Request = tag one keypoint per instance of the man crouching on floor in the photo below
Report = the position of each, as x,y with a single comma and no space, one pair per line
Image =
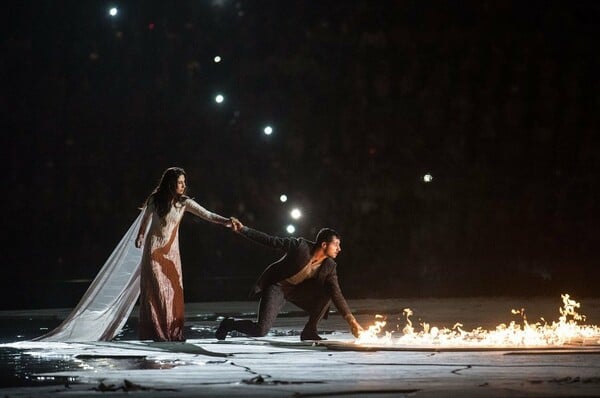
304,276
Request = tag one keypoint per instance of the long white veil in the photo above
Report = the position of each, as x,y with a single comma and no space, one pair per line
107,303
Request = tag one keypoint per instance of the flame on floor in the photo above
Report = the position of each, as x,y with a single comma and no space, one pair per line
565,331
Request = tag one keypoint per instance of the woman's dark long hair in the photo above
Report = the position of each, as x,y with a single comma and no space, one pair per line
164,194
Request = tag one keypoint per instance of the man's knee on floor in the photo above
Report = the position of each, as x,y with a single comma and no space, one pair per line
262,330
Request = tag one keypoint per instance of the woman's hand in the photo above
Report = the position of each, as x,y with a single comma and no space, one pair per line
139,242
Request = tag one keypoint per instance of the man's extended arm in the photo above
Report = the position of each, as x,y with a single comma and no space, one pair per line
340,303
276,242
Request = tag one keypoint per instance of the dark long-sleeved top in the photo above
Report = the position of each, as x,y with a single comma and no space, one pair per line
298,252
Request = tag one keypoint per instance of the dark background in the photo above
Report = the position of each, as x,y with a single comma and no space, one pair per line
498,100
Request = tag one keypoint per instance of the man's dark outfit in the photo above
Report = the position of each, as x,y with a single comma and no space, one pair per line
312,295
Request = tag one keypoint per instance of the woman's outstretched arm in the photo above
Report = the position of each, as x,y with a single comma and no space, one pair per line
193,207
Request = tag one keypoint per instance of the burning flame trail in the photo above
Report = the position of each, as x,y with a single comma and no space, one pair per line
564,332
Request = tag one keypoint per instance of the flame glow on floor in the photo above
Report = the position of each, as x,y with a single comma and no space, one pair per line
566,332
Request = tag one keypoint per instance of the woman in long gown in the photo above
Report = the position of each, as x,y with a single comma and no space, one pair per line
161,294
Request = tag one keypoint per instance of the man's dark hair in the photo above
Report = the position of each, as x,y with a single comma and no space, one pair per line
326,235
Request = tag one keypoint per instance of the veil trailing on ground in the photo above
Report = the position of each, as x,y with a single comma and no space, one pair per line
107,303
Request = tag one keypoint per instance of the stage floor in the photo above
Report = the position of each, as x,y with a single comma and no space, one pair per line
281,365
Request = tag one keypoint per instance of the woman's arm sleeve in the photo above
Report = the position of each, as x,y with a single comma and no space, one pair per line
193,207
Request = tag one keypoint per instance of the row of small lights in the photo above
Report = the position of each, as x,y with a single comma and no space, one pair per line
219,98
295,213
267,130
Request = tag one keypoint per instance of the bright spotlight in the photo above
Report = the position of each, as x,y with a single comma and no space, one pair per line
113,11
283,198
427,177
219,99
290,229
268,130
217,59
296,214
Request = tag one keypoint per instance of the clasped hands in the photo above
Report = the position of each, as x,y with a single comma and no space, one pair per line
235,224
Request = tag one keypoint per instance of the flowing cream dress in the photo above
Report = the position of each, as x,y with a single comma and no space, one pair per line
161,294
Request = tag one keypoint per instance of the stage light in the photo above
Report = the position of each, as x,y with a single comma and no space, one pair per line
219,99
427,177
217,59
113,11
296,214
268,130
290,229
283,198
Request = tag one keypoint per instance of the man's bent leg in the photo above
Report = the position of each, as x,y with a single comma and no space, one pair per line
271,302
314,299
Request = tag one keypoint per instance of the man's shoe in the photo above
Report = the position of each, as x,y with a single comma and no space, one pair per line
310,335
225,327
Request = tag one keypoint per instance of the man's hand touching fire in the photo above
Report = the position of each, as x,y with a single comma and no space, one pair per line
355,327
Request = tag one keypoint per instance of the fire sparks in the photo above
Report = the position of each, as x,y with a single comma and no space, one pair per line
565,331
